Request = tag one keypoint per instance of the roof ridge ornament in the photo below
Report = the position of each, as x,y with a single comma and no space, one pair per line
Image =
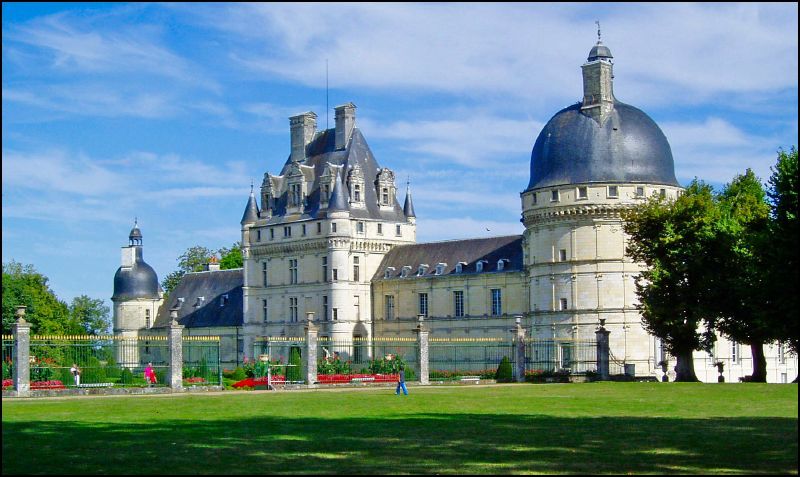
597,22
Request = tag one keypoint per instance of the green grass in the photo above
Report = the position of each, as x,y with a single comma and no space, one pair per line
560,428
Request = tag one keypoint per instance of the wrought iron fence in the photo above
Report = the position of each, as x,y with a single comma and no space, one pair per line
280,358
8,359
201,361
101,360
460,358
560,357
365,359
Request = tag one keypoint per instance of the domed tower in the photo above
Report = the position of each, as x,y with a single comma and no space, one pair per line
137,294
590,162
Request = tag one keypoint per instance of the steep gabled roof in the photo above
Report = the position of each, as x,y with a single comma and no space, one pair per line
222,303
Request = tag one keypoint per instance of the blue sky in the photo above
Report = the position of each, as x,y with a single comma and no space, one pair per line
167,112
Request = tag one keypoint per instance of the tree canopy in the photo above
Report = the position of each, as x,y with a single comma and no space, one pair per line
195,259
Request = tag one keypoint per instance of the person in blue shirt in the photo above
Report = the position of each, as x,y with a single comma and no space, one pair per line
401,383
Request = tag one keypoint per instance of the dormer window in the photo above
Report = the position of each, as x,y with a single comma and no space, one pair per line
479,265
405,271
200,301
440,268
389,272
422,269
385,187
355,182
613,192
501,264
460,267
224,300
639,191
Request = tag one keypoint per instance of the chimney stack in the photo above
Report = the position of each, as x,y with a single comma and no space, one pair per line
302,127
345,121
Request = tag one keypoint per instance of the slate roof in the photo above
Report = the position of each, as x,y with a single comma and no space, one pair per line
137,281
210,311
628,147
452,252
319,152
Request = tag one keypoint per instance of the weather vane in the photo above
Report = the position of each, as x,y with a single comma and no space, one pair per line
598,29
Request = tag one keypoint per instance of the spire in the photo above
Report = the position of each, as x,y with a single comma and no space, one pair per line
135,237
408,207
251,210
598,82
338,201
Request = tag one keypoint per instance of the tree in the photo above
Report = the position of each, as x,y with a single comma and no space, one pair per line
171,281
90,315
671,239
231,257
782,252
743,300
23,285
194,259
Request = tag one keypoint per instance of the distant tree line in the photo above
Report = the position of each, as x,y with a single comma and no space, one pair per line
195,258
45,312
720,261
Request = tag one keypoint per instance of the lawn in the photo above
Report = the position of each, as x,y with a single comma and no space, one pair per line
588,428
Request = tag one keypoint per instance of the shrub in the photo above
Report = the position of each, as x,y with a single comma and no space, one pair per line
93,372
294,373
126,377
504,372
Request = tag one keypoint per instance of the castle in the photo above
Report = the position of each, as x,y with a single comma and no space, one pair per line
331,239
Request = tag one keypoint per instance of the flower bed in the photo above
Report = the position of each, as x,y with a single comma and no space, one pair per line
195,381
253,382
53,384
347,378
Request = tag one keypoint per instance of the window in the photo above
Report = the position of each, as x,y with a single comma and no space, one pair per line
423,304
335,274
422,269
271,234
325,307
583,193
293,309
319,228
479,265
147,319
781,353
562,255
563,304
380,229
258,235
397,230
533,199
554,196
662,193
735,352
264,273
335,314
333,227
265,314
458,303
324,269
566,355
355,269
405,271
497,302
304,230
326,192
287,232
389,303
639,191
388,272
385,196
224,301
293,271
357,193
360,227
460,266
501,264
613,191
440,268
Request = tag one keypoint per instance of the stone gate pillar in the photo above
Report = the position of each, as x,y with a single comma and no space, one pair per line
175,343
422,350
21,354
311,349
519,350
602,351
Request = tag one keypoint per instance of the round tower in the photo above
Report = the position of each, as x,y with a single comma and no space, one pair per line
590,162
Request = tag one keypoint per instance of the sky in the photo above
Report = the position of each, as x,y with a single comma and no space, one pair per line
167,112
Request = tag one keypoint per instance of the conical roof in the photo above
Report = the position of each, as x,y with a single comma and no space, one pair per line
251,209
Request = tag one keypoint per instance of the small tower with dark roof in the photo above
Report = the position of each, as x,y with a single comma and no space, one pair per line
408,207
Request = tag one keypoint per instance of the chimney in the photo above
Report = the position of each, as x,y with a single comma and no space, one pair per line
213,264
302,128
345,121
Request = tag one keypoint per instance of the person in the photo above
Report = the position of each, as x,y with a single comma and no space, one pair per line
401,383
150,375
76,372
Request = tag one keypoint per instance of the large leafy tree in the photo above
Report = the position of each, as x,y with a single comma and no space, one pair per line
782,253
231,257
23,285
743,302
89,315
195,258
670,237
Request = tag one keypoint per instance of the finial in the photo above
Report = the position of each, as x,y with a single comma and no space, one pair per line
251,186
135,221
598,29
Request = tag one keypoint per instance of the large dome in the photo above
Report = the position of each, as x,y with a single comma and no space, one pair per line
628,147
138,281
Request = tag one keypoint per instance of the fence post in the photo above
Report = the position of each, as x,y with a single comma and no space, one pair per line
311,349
175,343
602,350
519,350
21,354
422,350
